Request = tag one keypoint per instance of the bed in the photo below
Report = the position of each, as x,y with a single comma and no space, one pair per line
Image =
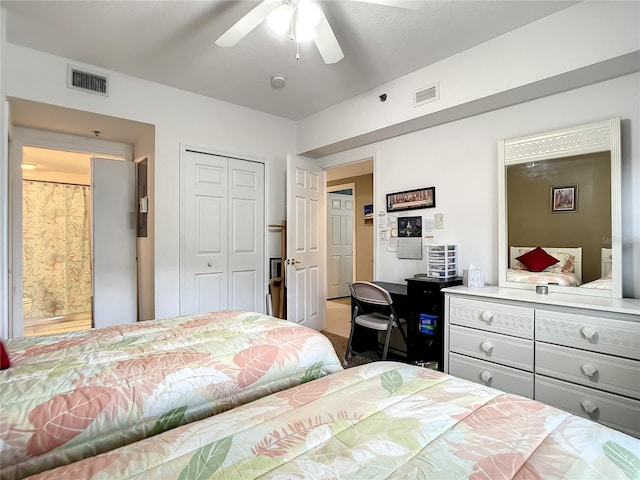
567,271
377,421
73,395
604,282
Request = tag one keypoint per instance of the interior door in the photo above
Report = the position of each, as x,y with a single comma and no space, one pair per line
339,244
246,235
305,276
203,287
114,242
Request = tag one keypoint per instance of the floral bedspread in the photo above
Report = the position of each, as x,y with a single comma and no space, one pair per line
71,396
543,278
377,421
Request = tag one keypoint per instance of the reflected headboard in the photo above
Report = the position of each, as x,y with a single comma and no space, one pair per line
555,252
605,262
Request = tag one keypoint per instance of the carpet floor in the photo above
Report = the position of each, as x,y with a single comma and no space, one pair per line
340,345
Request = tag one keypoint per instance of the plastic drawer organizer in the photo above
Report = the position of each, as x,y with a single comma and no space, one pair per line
442,261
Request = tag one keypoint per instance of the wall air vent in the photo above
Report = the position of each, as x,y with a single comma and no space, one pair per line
426,94
87,81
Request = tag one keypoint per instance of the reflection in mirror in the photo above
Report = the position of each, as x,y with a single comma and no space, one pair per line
559,215
561,203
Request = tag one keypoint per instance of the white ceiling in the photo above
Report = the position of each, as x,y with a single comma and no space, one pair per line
172,43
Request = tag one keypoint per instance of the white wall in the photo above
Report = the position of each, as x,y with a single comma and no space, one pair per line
557,53
460,159
180,118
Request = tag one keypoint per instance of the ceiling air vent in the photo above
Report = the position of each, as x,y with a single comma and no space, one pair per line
87,81
426,94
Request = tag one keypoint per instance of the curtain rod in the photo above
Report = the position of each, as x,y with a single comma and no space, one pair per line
57,183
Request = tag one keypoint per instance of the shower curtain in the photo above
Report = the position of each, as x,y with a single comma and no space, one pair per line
56,248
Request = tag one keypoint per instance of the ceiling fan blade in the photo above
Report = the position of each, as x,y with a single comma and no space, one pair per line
410,4
327,42
247,23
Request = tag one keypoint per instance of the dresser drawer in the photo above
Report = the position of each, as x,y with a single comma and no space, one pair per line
589,332
510,351
492,317
615,375
612,410
492,375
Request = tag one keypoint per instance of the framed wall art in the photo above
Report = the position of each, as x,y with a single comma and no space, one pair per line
411,199
564,199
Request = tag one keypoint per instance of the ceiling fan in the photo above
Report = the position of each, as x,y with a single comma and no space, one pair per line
302,19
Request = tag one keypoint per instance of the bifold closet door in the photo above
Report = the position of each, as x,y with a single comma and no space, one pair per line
222,236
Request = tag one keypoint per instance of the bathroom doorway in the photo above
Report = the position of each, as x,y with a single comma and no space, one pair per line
73,232
57,281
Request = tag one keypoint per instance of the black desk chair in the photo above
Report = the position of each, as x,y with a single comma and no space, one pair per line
372,295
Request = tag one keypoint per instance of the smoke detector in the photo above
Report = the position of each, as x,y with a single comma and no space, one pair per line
278,81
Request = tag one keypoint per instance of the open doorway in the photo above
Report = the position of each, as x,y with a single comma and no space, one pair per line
358,177
72,230
57,284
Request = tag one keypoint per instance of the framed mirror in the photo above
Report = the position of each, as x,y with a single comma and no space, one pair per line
559,212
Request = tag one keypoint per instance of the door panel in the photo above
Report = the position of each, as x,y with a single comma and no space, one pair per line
246,255
114,242
210,291
340,244
204,242
306,281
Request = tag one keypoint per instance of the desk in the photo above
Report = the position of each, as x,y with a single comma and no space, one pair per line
420,294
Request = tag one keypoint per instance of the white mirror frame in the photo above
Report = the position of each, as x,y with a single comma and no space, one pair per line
584,139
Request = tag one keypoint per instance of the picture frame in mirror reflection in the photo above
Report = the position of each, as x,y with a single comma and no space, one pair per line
564,199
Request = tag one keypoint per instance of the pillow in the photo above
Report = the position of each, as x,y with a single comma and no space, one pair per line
567,264
4,356
537,260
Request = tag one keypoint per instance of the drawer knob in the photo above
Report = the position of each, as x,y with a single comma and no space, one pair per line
589,407
589,332
486,377
487,316
486,347
589,370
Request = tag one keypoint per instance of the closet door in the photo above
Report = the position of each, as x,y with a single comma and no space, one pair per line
114,242
246,235
203,236
222,234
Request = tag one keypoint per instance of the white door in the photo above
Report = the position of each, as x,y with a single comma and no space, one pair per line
305,277
204,241
246,235
222,234
339,244
114,242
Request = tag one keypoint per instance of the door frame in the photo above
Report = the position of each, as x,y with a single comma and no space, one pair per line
354,250
30,137
250,158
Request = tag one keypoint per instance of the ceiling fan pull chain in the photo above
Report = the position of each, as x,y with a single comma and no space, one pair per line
294,29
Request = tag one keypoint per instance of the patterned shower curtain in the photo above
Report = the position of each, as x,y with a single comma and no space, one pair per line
56,248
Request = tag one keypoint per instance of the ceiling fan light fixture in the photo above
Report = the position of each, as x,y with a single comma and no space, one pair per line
280,19
308,18
297,18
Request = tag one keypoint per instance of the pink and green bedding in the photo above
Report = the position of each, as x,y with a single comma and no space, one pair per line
543,278
71,396
378,421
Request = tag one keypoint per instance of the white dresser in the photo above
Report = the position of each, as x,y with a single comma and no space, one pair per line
578,353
